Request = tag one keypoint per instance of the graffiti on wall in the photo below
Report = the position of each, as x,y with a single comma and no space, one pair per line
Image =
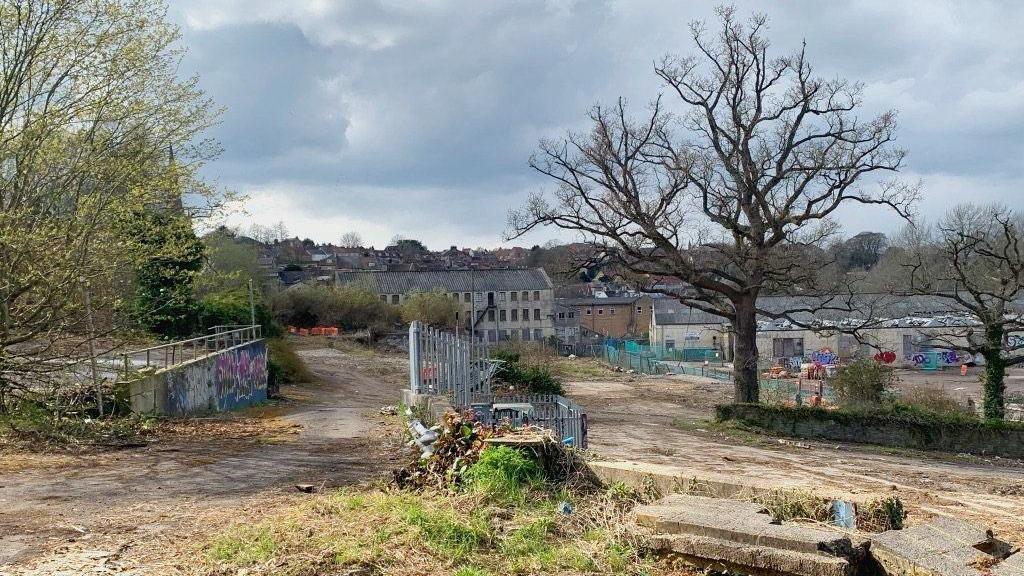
824,357
887,357
1014,341
943,357
241,375
231,379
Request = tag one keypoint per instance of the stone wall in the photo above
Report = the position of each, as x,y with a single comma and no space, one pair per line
885,428
229,379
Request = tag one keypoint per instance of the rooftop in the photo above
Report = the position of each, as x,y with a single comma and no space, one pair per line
401,282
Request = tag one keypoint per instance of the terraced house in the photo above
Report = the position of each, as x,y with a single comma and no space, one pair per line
495,305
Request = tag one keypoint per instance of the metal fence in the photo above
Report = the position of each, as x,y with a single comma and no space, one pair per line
445,364
174,353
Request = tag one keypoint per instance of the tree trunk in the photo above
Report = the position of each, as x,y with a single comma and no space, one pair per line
744,360
995,372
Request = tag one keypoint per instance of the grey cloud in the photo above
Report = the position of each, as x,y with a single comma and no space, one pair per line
429,112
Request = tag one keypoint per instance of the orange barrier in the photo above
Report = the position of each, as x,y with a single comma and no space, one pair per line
315,331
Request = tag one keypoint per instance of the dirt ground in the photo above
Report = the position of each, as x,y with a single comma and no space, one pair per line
140,510
664,420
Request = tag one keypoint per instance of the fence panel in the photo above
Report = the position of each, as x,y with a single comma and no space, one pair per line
461,369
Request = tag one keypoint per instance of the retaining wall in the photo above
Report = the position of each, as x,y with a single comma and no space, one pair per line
887,429
229,379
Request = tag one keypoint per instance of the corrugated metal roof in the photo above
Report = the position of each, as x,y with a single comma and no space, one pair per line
608,301
671,311
401,282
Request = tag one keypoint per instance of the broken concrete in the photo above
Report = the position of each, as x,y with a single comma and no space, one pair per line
743,537
944,547
723,556
666,480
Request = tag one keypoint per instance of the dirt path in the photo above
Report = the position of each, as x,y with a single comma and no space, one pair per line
111,512
662,421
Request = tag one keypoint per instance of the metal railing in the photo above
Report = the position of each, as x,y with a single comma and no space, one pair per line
563,417
444,364
181,351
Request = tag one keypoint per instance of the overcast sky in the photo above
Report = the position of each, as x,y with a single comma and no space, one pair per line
418,119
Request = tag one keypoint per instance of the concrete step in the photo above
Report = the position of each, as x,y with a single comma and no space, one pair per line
739,522
725,556
945,547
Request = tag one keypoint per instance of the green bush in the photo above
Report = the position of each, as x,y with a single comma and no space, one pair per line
433,308
504,474
862,383
232,307
284,366
533,378
348,307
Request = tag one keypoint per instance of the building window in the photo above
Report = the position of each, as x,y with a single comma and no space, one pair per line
394,298
384,298
526,295
538,335
536,313
526,314
670,344
561,315
490,315
513,296
589,311
787,347
479,296
503,335
600,311
515,314
456,315
536,294
501,315
467,297
492,335
639,309
611,311
526,333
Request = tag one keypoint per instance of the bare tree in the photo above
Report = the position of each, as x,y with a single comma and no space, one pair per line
351,240
732,195
974,259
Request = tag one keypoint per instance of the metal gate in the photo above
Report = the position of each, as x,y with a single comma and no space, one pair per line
444,364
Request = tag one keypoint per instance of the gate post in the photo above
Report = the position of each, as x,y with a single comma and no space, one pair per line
414,356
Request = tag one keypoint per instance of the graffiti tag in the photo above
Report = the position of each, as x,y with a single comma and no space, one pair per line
887,357
824,357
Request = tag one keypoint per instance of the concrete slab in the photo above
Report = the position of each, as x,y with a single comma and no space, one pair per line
943,547
725,556
739,522
1012,566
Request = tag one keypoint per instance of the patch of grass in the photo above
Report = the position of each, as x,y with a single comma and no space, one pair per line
504,474
401,532
787,505
447,534
243,547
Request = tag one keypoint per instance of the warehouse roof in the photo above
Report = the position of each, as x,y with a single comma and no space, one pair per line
393,282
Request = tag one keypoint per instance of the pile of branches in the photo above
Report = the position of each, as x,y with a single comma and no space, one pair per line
459,443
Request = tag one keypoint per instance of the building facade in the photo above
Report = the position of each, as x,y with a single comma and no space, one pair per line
494,305
609,317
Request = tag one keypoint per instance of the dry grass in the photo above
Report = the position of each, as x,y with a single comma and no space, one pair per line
388,531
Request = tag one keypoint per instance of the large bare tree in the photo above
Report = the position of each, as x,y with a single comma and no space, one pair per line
974,260
732,194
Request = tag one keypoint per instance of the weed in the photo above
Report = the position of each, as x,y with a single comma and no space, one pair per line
882,514
504,474
285,366
786,505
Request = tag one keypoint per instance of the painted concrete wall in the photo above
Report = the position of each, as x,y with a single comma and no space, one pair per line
233,378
